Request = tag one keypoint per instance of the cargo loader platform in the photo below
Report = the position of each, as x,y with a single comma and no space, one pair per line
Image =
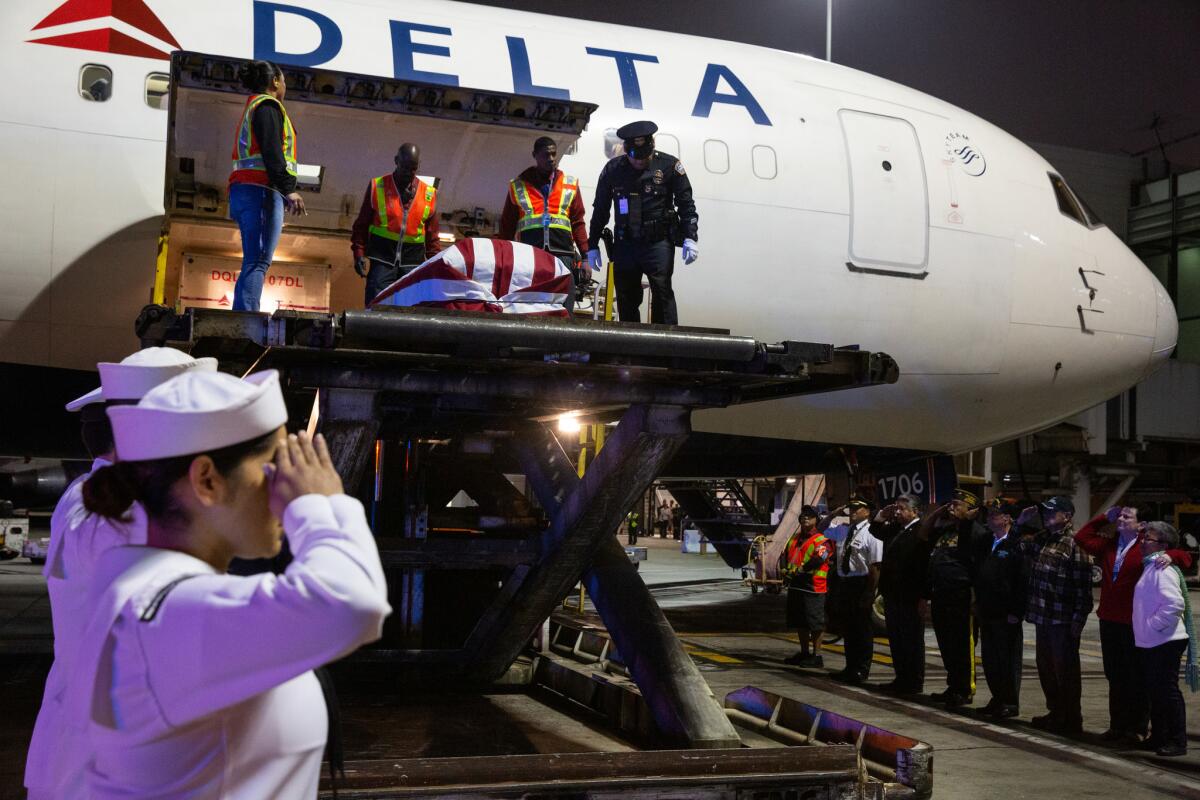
422,406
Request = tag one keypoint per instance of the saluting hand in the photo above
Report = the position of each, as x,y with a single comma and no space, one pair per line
302,466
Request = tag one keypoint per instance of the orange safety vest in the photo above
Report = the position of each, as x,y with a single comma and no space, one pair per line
799,553
541,212
248,165
389,221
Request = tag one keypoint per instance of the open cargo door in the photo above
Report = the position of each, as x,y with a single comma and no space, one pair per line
473,142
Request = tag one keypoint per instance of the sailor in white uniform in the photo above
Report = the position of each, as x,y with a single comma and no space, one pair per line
194,683
54,766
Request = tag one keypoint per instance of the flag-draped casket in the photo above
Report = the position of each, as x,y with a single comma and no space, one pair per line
491,275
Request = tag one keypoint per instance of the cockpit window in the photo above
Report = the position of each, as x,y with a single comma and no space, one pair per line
1072,205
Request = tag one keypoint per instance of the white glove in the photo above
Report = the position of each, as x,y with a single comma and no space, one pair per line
593,259
691,251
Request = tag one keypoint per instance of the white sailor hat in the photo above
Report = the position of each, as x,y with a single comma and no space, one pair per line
140,372
198,412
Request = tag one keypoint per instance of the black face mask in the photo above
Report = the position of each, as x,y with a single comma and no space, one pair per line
643,151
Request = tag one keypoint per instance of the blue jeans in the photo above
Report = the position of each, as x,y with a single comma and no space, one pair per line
258,211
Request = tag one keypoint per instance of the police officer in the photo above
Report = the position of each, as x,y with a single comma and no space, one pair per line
654,212
397,225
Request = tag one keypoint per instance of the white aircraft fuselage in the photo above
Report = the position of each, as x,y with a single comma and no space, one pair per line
834,206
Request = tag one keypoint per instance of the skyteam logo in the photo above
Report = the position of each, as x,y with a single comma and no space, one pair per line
124,27
968,156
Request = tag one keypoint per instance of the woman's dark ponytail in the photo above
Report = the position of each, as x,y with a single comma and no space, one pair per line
257,76
110,491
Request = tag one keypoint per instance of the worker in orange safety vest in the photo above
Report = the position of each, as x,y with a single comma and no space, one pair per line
397,225
805,568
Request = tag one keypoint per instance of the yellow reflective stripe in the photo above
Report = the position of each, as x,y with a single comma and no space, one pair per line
535,222
384,232
381,203
256,162
428,205
521,193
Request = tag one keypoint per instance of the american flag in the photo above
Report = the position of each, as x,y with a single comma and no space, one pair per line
492,275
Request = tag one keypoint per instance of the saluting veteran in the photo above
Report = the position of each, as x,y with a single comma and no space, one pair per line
54,765
192,682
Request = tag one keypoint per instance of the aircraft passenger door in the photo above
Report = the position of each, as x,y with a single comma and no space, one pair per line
889,199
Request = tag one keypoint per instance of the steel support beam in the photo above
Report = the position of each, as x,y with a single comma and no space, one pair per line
349,420
679,699
644,439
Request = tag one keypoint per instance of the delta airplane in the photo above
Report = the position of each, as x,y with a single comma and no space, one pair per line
834,206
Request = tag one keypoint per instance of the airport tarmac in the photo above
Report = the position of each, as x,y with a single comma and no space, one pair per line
737,639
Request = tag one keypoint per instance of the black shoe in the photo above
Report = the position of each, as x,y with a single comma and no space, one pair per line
795,660
850,677
956,700
1171,751
990,709
1006,712
1112,735
942,695
1046,722
812,662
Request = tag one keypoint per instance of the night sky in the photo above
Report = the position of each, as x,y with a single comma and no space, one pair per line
1082,73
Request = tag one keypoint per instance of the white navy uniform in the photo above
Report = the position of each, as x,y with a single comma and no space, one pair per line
206,690
54,766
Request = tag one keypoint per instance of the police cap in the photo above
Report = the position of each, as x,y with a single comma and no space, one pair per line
636,130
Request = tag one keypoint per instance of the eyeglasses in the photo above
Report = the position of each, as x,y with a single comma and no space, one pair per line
1153,539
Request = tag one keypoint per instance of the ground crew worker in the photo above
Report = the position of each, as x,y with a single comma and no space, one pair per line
397,225
902,584
178,700
954,533
654,213
544,207
632,521
805,568
858,555
1000,593
263,180
56,762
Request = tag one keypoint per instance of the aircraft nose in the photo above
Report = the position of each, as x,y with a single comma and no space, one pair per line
1166,328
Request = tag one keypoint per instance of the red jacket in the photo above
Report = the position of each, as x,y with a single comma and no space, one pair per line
1116,599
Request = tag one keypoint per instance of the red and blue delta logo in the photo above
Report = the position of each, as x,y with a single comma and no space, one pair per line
123,27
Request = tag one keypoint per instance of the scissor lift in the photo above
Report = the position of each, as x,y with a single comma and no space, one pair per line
420,404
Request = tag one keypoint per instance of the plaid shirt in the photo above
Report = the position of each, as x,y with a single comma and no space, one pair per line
1060,581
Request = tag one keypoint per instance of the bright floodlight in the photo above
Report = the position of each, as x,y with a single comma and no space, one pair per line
568,423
